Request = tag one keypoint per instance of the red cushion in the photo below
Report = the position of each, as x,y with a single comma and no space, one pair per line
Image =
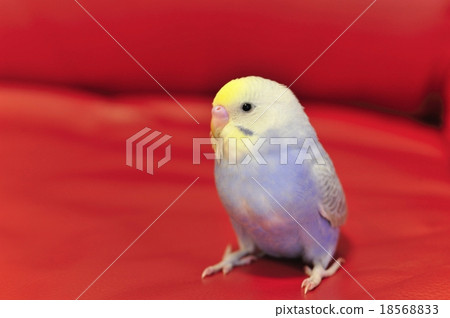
393,56
70,205
446,124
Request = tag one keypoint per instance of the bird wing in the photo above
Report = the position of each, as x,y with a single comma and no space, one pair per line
332,206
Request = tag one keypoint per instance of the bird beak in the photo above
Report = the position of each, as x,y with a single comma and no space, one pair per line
219,119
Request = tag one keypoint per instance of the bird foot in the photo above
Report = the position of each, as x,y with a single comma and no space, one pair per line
317,273
230,260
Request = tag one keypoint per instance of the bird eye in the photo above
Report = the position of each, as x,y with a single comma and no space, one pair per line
246,107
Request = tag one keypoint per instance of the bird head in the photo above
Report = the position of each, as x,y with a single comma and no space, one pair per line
253,107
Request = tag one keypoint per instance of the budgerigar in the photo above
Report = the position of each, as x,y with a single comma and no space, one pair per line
274,178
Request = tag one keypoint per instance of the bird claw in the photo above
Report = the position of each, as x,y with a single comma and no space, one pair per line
208,271
310,283
225,266
317,273
229,261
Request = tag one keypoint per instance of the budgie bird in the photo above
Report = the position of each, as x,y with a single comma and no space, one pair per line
278,205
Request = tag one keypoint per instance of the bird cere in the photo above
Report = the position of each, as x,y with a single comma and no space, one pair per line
278,205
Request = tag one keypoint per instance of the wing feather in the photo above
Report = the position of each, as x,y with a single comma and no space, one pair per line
332,206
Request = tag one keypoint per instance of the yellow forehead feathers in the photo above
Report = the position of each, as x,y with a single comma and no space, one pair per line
229,93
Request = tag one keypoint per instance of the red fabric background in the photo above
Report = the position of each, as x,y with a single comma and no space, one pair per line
70,206
447,111
395,56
